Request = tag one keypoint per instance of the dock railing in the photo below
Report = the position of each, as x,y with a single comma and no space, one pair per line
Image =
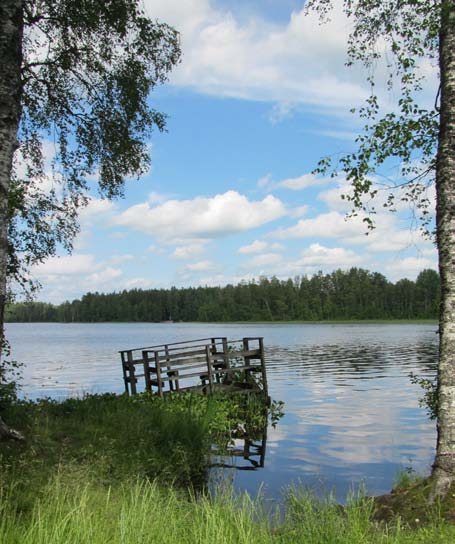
205,365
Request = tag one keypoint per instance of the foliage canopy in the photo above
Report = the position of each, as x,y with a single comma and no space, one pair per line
87,70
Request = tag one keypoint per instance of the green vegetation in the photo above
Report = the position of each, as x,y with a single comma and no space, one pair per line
128,437
114,469
76,511
341,295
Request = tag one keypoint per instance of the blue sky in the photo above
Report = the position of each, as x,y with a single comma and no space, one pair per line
261,95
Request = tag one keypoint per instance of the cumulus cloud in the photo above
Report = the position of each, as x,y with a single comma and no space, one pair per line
255,247
188,251
409,267
96,210
302,182
321,257
264,260
299,62
200,266
202,217
390,235
326,225
66,265
259,245
298,183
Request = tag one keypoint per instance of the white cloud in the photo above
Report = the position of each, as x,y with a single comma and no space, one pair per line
259,245
302,182
280,111
318,256
188,251
201,266
299,62
255,247
298,183
66,265
265,260
138,283
409,267
325,225
104,276
202,217
96,210
118,259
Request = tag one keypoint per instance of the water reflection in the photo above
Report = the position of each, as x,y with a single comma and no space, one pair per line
351,412
244,453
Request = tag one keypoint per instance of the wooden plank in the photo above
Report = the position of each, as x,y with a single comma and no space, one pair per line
253,353
132,379
209,368
225,352
264,373
181,354
251,368
158,374
125,373
148,385
180,368
161,346
190,361
184,376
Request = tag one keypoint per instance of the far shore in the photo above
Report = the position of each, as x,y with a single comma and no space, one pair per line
276,322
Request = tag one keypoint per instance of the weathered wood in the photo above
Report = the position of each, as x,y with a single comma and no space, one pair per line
209,368
252,353
6,433
125,372
158,374
173,356
148,385
245,368
187,362
132,379
264,372
178,363
226,352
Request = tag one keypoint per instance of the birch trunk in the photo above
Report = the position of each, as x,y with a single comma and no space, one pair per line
11,27
444,465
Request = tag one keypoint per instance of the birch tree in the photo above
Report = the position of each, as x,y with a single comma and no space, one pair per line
75,76
403,34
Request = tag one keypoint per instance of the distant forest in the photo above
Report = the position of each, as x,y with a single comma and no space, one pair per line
340,295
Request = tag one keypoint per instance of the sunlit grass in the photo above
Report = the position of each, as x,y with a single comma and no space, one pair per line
80,511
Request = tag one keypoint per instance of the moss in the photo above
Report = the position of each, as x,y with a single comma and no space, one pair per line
410,504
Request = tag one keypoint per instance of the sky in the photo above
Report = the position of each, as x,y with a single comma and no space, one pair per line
262,93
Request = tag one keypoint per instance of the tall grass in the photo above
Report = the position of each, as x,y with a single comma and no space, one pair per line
80,511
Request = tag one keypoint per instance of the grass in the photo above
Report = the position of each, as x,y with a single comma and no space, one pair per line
118,470
75,509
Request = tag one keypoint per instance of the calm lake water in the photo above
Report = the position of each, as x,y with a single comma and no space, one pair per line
351,412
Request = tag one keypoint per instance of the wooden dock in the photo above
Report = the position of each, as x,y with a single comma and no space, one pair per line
204,365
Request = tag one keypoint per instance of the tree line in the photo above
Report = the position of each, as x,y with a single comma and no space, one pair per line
340,295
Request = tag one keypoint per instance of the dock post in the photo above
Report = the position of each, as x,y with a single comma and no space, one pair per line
246,347
264,373
158,373
208,356
132,377
145,359
227,362
125,375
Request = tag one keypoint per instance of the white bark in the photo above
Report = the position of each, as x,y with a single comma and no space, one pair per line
10,99
444,465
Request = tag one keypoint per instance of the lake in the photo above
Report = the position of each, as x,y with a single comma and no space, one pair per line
351,411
